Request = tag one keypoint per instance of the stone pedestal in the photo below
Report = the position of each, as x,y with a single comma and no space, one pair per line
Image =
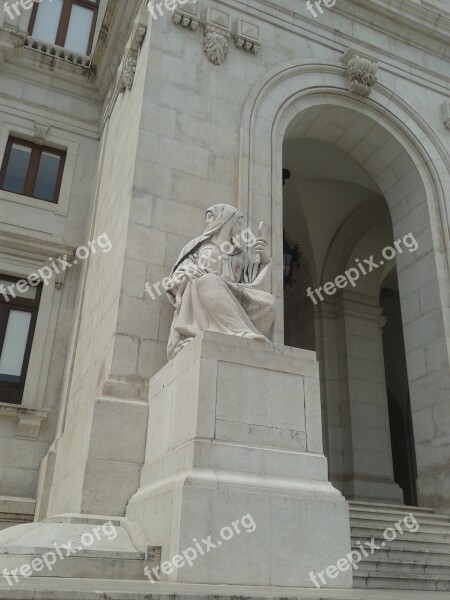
234,430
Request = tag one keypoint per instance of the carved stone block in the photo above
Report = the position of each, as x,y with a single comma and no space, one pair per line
40,132
247,36
361,72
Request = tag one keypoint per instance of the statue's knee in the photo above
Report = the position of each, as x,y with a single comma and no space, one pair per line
209,287
267,309
209,280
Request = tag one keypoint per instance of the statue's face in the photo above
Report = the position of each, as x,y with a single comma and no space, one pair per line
209,217
225,216
237,229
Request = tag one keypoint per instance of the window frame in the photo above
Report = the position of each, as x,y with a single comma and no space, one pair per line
64,20
14,391
33,167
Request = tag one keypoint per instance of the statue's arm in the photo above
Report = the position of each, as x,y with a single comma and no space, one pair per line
259,275
259,269
188,270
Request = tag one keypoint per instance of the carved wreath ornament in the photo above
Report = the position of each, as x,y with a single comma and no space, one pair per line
129,71
361,75
215,46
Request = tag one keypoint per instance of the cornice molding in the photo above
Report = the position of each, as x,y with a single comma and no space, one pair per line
401,17
289,17
426,16
33,249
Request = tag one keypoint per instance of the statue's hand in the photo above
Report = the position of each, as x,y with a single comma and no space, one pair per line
261,247
194,271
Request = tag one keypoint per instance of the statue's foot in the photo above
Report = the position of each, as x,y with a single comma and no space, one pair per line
180,346
254,336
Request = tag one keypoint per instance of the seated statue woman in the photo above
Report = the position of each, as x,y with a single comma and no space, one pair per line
216,285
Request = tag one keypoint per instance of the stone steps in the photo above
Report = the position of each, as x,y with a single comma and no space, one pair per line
412,555
393,513
386,507
413,561
426,525
409,565
426,539
401,581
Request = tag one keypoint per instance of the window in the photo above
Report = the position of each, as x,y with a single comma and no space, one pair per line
32,170
66,23
18,314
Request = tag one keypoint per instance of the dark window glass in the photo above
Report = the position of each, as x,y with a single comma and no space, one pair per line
47,176
32,170
17,169
18,314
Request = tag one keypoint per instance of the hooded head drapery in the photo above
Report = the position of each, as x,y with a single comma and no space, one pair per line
222,214
215,285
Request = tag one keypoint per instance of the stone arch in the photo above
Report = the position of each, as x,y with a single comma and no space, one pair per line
414,192
363,218
284,94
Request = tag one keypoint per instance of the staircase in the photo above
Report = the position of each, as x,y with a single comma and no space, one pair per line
413,560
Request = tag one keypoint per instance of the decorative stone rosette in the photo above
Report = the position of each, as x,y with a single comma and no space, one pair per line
215,44
218,31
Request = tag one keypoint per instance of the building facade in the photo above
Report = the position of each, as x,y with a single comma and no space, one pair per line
120,124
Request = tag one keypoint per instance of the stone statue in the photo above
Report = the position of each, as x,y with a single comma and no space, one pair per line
216,285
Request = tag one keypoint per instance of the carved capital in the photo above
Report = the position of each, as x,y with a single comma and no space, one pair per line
361,72
138,36
128,71
104,32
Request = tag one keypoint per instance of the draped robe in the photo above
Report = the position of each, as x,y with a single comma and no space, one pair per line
230,298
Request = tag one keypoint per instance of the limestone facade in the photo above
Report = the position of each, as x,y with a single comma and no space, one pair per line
173,114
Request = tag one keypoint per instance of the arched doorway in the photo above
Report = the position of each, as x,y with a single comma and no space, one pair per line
409,167
398,396
335,210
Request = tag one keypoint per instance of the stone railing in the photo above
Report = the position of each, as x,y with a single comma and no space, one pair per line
57,52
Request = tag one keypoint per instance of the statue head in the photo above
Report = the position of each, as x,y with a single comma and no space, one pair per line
221,216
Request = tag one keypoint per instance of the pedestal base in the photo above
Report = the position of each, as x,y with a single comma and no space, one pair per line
234,458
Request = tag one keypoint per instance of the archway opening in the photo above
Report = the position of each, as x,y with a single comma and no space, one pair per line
337,211
398,395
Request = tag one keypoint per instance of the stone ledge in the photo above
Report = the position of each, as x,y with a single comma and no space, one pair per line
15,511
30,419
76,589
